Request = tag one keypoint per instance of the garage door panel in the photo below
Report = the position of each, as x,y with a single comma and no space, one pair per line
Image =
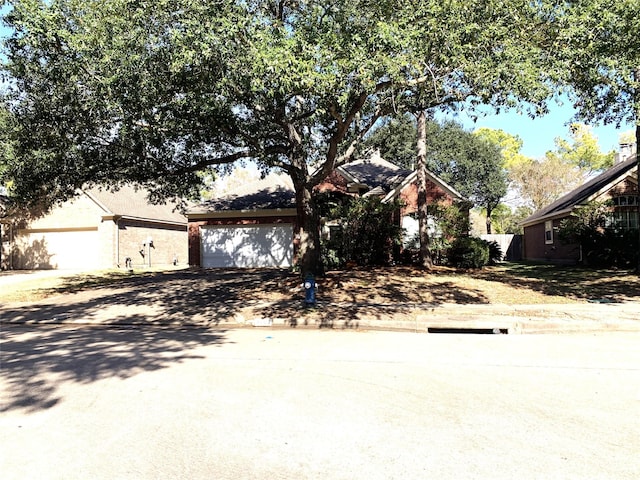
60,250
247,246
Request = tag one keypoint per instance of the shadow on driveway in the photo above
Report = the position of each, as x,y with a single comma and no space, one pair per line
35,362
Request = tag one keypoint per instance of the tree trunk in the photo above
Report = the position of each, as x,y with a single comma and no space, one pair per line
488,222
308,257
421,167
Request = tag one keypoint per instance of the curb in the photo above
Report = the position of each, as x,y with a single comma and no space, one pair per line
424,318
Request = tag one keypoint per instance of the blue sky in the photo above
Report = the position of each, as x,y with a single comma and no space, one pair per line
538,134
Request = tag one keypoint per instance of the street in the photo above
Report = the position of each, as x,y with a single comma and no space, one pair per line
192,403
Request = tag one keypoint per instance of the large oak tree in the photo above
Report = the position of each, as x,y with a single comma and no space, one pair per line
154,92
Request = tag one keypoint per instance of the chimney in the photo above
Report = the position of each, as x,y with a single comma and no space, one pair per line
626,151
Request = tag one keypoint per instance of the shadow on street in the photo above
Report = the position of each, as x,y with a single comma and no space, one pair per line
34,362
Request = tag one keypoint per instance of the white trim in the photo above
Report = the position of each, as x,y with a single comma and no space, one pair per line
276,212
552,216
148,220
548,227
431,176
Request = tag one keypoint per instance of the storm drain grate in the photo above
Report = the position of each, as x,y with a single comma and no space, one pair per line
475,331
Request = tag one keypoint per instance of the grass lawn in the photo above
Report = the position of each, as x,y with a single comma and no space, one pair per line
510,284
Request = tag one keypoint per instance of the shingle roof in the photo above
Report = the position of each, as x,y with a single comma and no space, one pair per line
131,202
374,171
275,191
583,193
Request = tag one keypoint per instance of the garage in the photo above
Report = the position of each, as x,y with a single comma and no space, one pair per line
76,250
246,246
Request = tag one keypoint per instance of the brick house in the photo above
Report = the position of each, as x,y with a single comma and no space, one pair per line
619,185
255,225
96,230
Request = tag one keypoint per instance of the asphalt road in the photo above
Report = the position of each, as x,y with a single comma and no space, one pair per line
145,403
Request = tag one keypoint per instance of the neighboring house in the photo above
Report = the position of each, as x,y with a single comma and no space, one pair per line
98,229
255,225
618,184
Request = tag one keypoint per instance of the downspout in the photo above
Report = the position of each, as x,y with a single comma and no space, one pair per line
118,241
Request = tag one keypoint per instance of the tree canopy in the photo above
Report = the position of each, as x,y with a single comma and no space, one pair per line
154,92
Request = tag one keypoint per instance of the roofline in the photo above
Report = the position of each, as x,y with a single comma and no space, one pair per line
273,212
349,177
624,175
435,179
97,202
550,216
117,218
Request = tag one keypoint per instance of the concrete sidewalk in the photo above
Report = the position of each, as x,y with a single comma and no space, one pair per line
110,309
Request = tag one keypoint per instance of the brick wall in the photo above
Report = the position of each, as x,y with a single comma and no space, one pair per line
536,249
169,242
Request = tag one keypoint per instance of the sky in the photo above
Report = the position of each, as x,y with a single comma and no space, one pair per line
538,134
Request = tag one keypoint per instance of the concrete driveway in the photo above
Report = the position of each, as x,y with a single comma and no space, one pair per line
153,403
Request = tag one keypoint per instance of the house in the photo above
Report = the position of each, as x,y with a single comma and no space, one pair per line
255,225
97,229
619,184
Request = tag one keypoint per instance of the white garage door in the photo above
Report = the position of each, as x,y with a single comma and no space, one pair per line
247,246
61,250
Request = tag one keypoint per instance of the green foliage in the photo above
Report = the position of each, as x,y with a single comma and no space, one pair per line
598,43
446,222
396,140
495,252
602,245
582,150
506,221
469,252
452,220
510,145
153,92
468,162
540,182
367,235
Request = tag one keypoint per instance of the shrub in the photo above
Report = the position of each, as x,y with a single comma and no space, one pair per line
367,237
603,245
495,252
469,252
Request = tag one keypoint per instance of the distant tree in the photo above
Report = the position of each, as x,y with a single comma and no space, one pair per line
540,182
583,151
506,220
510,145
627,137
469,163
396,140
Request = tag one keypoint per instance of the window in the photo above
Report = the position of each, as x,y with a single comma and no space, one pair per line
625,200
548,232
625,220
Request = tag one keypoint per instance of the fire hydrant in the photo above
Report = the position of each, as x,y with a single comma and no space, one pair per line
309,290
